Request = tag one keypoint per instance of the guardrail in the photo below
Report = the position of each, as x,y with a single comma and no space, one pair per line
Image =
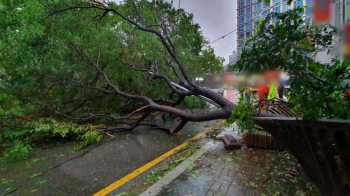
322,148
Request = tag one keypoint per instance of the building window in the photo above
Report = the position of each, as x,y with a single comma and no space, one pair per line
241,4
275,2
257,15
248,34
285,7
241,20
266,13
241,28
250,44
266,5
249,10
277,9
241,12
256,24
248,18
274,20
258,7
249,26
308,2
240,43
241,36
248,2
299,3
308,11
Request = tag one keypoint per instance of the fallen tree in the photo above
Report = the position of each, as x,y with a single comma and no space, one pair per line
92,63
161,30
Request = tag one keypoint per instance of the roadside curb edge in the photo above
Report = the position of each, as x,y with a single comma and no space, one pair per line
168,178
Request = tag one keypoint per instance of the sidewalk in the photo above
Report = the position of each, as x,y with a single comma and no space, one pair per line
216,171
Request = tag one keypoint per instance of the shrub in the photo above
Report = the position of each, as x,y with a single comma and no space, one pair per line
194,103
18,152
243,115
37,132
88,138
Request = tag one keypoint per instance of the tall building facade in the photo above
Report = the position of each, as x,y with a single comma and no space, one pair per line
249,13
233,57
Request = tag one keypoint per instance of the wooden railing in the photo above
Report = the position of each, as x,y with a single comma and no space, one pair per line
322,148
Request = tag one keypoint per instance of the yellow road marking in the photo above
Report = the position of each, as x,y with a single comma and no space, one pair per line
145,167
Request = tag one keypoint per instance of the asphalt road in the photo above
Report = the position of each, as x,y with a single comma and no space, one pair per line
58,170
96,169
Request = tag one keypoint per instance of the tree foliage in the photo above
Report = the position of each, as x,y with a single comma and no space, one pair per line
47,64
243,115
288,45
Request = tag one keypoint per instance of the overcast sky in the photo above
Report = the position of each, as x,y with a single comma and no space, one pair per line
217,18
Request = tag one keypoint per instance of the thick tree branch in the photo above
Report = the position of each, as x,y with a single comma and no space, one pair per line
197,90
136,124
179,127
224,113
165,78
82,100
170,64
317,78
192,89
97,116
171,102
123,129
109,8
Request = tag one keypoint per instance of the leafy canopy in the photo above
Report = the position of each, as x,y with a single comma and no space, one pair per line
289,45
46,61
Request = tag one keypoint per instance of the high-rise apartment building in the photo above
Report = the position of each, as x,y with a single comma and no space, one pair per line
233,57
249,13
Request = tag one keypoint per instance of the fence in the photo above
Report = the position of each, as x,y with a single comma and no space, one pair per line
322,148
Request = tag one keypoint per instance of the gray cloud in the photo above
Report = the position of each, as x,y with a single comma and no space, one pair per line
217,18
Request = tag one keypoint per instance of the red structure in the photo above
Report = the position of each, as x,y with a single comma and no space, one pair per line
322,11
347,40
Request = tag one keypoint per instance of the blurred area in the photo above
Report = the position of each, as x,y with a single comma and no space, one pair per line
336,13
266,85
346,30
239,80
318,13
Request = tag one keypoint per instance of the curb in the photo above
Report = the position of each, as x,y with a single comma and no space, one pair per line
168,178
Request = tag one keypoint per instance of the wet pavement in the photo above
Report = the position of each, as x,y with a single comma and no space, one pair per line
249,171
60,171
